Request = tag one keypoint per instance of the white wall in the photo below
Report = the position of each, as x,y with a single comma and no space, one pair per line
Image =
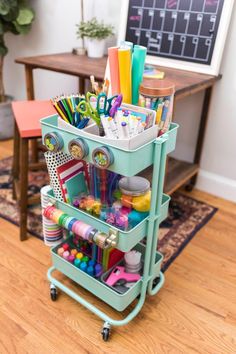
218,163
54,31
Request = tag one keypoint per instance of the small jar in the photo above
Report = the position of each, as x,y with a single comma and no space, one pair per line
135,193
158,95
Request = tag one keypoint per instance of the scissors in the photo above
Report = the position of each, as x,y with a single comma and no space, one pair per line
104,104
88,107
116,105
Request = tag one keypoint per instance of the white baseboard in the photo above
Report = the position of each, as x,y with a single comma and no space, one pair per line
217,185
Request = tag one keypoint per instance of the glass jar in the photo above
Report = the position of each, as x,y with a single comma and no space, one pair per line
135,193
158,95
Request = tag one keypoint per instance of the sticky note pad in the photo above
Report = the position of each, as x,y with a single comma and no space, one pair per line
75,186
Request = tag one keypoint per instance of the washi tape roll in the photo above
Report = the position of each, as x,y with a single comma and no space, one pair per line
62,218
88,232
71,223
77,222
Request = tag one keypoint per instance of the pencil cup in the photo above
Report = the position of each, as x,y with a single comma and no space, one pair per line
158,95
52,233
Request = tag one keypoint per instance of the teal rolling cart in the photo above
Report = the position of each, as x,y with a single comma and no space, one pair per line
127,163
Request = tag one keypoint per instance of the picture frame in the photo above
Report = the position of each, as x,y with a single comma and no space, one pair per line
210,69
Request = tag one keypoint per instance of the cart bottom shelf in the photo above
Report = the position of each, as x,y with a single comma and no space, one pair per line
97,287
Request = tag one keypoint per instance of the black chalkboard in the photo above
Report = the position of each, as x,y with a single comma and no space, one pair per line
177,29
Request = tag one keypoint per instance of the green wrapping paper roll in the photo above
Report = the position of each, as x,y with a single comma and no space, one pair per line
138,62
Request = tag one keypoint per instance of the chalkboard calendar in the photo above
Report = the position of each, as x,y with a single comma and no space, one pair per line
182,30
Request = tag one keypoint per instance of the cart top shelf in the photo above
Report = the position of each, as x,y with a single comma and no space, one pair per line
123,161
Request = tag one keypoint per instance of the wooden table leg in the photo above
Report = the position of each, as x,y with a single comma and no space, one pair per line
30,95
201,133
167,157
82,85
23,188
16,157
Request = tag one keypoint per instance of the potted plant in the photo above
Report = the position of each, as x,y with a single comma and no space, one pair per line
95,32
15,17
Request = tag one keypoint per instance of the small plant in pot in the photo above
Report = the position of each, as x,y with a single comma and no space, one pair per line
15,17
95,32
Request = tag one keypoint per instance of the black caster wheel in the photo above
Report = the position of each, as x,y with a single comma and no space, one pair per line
53,293
106,331
155,282
189,187
105,334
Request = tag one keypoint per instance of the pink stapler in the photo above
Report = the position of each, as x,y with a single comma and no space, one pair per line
119,277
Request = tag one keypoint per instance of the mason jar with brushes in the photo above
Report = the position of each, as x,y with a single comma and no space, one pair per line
158,95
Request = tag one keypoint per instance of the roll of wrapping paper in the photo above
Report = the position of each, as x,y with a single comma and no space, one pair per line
138,62
124,56
114,70
53,160
127,44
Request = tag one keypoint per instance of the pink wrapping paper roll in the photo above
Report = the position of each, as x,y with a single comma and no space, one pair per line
114,70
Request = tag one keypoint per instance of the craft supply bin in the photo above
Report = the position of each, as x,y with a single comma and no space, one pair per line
127,239
127,163
97,287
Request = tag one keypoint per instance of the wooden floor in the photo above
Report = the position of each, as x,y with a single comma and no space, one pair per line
195,312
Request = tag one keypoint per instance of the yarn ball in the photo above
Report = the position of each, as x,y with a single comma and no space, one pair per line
83,266
66,254
77,262
60,251
66,247
74,251
71,258
79,255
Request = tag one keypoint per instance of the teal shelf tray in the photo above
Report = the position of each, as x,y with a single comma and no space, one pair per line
98,288
127,239
126,162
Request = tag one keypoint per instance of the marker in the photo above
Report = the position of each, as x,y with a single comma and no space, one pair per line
136,124
107,127
141,127
125,130
118,116
112,126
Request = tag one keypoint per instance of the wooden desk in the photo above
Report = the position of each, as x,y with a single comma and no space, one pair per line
186,83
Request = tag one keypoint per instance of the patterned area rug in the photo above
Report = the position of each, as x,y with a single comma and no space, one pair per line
186,215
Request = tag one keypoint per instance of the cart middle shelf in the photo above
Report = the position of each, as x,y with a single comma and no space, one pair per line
126,239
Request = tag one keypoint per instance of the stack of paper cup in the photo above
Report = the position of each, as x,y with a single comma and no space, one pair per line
52,233
133,262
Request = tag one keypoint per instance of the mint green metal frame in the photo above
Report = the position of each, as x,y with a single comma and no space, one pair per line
161,149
